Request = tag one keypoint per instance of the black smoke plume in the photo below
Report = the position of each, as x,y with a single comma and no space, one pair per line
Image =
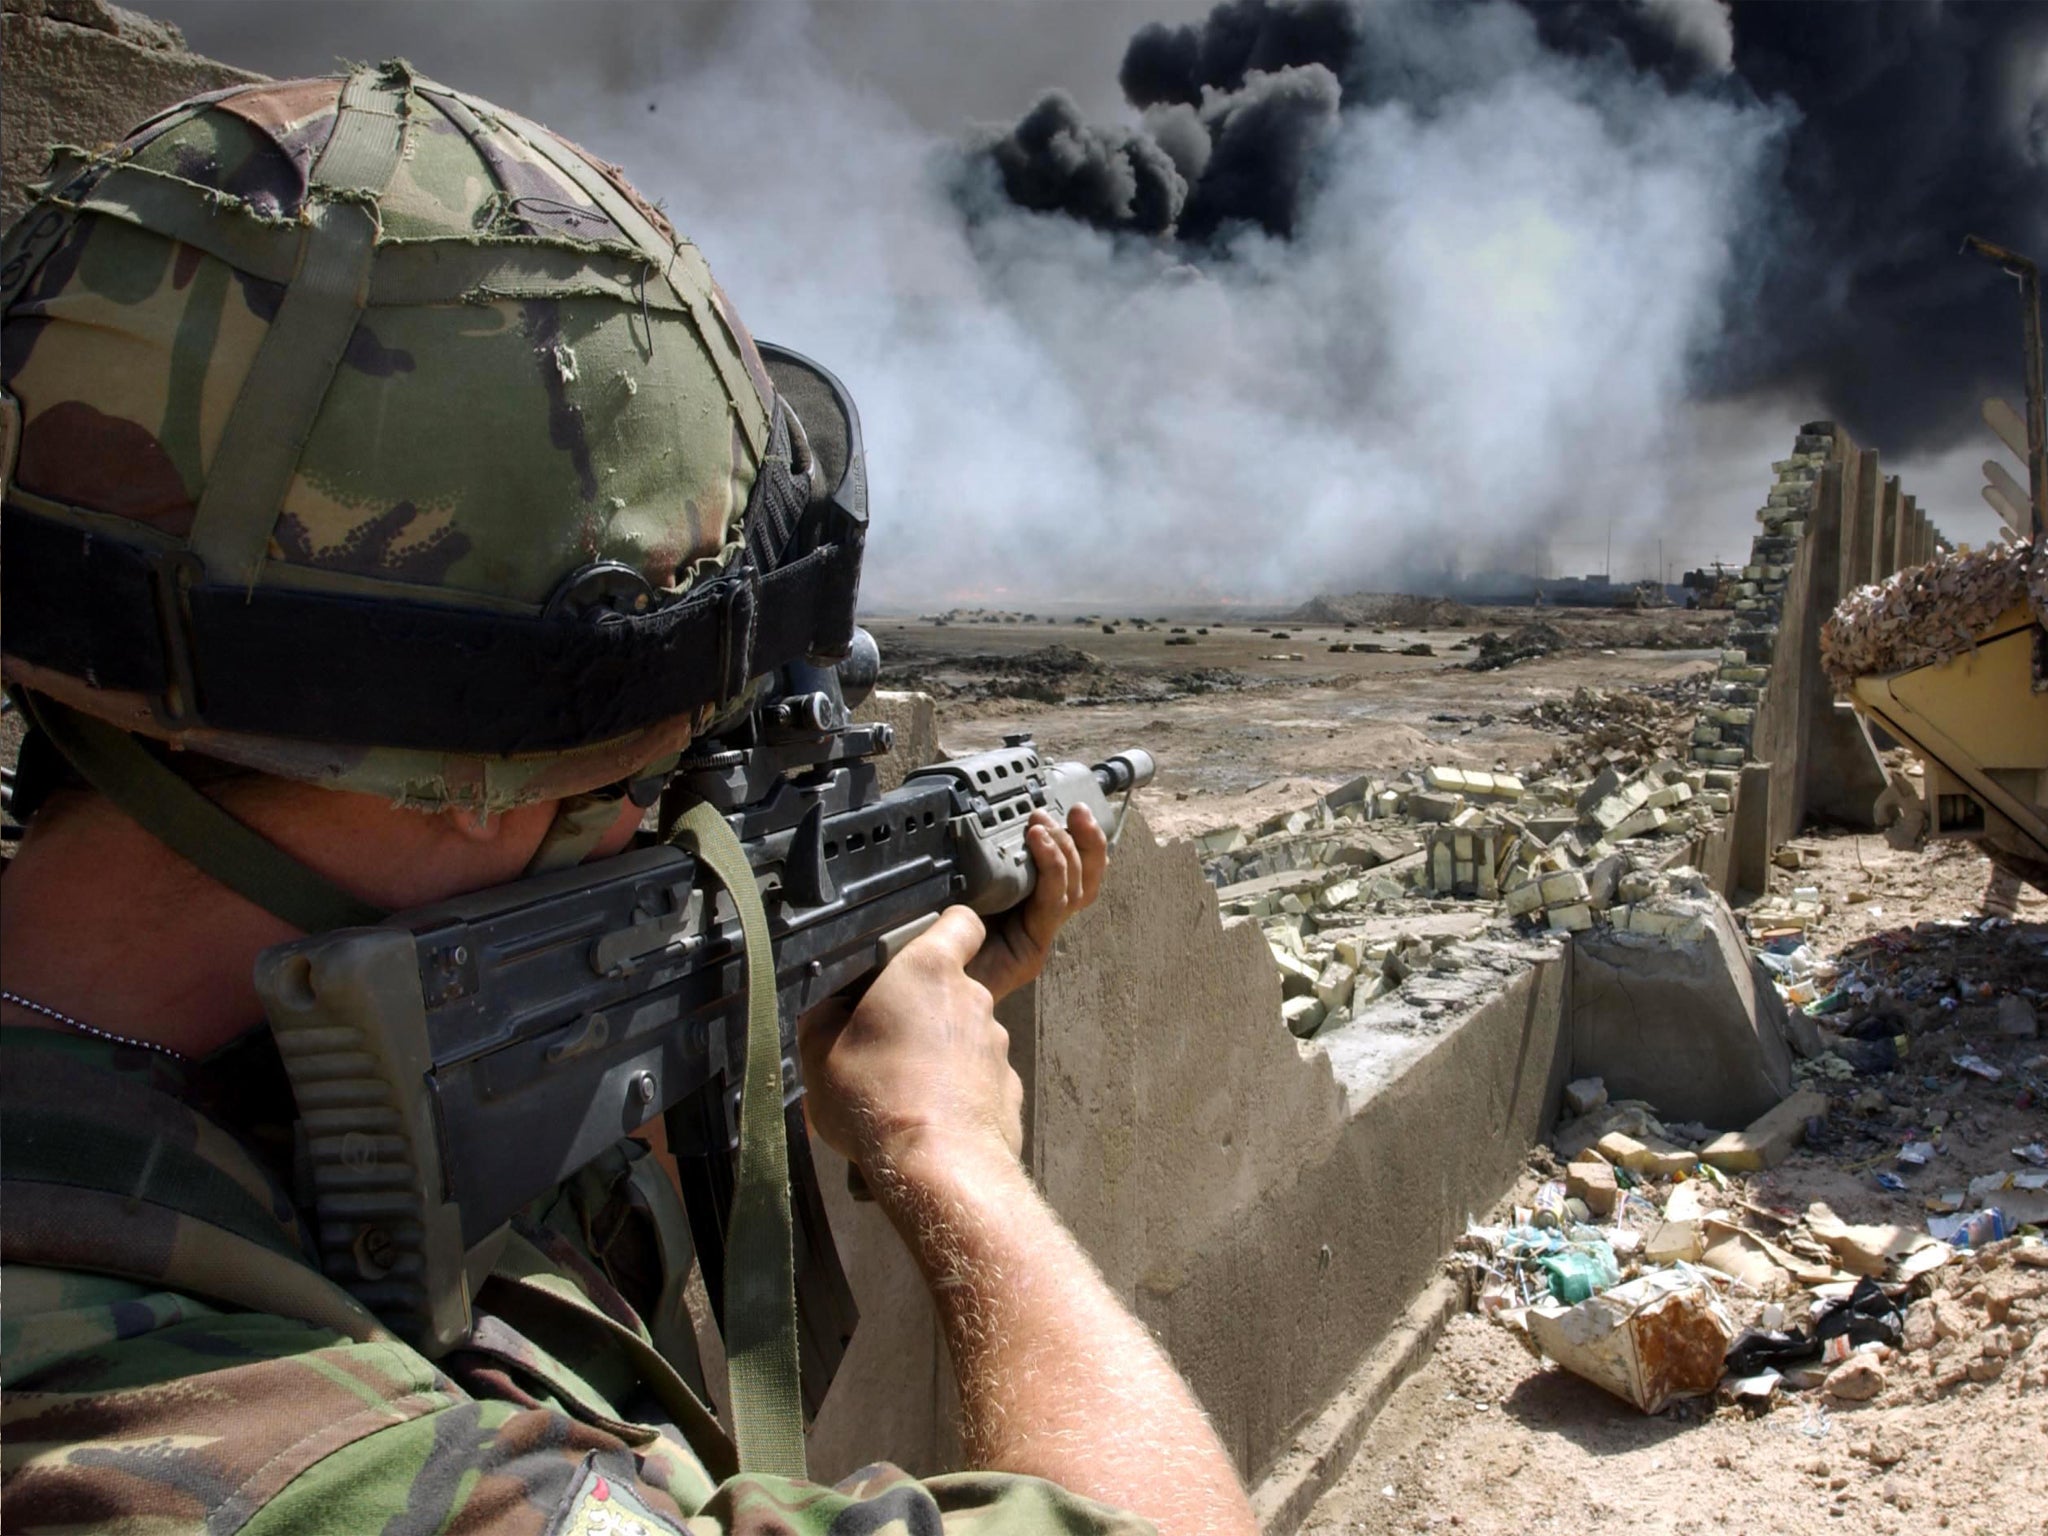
1912,124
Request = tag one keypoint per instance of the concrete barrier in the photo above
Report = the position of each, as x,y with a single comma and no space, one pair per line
1269,1208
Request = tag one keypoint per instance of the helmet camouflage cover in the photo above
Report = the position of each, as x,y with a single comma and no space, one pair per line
328,394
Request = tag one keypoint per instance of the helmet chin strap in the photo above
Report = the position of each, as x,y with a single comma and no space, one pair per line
581,821
192,826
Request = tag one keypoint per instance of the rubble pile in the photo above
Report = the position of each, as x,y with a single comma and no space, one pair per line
1925,614
1918,1114
1645,723
1391,610
1558,854
1723,734
1659,1242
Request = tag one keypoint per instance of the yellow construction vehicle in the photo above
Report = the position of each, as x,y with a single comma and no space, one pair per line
1976,713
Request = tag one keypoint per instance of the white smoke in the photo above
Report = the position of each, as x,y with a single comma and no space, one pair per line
1475,352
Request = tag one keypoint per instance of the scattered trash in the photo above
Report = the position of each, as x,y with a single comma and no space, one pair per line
1753,1391
1866,1316
1971,1230
1660,1337
1977,1066
1580,1271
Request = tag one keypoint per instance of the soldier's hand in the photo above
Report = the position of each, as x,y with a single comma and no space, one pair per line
920,1065
1070,861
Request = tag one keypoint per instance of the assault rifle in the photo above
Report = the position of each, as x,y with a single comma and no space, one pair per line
459,1060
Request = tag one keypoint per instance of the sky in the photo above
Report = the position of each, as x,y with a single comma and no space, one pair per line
1520,301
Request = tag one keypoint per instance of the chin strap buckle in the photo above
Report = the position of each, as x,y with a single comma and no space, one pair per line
739,618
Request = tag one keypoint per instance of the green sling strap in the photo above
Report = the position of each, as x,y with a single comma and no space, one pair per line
192,826
760,1271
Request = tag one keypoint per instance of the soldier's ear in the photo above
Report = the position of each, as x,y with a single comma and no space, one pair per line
473,826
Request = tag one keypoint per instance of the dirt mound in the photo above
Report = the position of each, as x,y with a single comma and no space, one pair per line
1391,609
1525,643
1051,674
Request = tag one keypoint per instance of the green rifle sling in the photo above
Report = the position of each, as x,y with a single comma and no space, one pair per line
760,1270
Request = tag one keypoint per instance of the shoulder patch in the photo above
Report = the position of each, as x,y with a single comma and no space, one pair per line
603,1505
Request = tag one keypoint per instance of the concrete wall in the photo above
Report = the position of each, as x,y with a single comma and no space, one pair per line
85,72
1270,1207
1833,521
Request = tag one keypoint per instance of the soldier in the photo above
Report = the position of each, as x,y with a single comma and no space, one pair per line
370,455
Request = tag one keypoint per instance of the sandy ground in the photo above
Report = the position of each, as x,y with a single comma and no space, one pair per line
1485,1440
1239,736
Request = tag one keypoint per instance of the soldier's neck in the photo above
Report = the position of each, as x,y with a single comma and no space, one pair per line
101,922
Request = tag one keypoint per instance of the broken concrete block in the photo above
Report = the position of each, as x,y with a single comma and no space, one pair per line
1601,880
1563,888
1221,840
1428,805
1297,976
1593,1182
1584,1095
1576,917
1639,823
1443,872
1342,894
1449,781
1768,1140
1685,1021
1303,1016
1333,987
1523,898
1654,1158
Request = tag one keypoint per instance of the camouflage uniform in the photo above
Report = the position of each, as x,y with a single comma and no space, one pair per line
172,1361
531,374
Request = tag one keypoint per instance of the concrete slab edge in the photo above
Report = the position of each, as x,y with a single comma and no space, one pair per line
1324,1448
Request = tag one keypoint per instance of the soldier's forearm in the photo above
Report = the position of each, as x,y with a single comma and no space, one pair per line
1057,1379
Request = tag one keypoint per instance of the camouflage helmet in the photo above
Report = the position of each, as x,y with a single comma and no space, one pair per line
361,432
